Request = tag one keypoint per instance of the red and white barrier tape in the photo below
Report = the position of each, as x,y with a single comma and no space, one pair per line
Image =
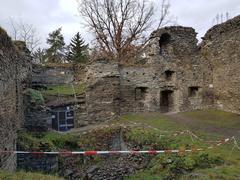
117,152
102,152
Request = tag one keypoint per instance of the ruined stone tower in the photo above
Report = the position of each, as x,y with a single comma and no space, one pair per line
14,68
178,74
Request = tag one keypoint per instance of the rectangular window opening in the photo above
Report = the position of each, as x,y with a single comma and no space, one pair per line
193,91
140,93
169,75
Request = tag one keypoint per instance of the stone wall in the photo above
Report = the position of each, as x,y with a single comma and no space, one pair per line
14,69
42,163
174,50
52,75
102,94
23,78
138,89
38,119
8,101
178,75
172,80
221,47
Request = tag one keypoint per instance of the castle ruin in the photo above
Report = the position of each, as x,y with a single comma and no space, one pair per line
175,74
15,68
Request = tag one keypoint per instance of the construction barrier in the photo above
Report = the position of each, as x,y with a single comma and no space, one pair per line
119,152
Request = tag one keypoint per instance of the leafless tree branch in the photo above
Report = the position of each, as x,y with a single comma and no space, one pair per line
120,26
25,32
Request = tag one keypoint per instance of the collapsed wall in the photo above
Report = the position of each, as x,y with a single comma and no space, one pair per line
221,47
55,74
173,78
102,94
177,74
14,69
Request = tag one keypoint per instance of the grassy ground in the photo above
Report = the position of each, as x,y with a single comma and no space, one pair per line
21,175
49,141
64,89
208,124
156,132
215,117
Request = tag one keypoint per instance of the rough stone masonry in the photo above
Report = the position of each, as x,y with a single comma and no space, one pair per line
14,69
176,74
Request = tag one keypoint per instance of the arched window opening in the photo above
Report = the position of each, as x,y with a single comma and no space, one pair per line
164,40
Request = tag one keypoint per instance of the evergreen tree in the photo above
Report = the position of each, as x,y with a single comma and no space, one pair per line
39,56
56,51
78,50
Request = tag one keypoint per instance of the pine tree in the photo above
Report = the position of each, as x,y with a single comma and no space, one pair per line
39,56
77,50
56,51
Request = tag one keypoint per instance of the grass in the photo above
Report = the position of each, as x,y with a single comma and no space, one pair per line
21,175
48,141
230,169
156,120
218,163
55,141
64,89
221,172
216,118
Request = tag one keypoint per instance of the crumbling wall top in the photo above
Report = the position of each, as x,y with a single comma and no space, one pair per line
21,47
173,30
226,27
102,68
5,40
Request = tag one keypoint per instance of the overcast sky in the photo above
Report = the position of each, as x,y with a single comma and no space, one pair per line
48,15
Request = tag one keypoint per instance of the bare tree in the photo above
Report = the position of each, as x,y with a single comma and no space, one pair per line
25,32
220,18
120,27
164,18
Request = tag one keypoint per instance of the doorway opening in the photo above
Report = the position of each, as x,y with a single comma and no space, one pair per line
166,101
62,118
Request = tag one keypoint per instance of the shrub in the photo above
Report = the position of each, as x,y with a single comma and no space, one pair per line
172,166
35,97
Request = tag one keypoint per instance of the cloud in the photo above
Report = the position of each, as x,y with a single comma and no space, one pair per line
48,15
199,14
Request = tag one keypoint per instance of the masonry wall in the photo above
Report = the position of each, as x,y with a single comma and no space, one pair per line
221,47
163,84
102,94
174,74
138,90
8,103
14,69
52,75
42,163
180,55
23,69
